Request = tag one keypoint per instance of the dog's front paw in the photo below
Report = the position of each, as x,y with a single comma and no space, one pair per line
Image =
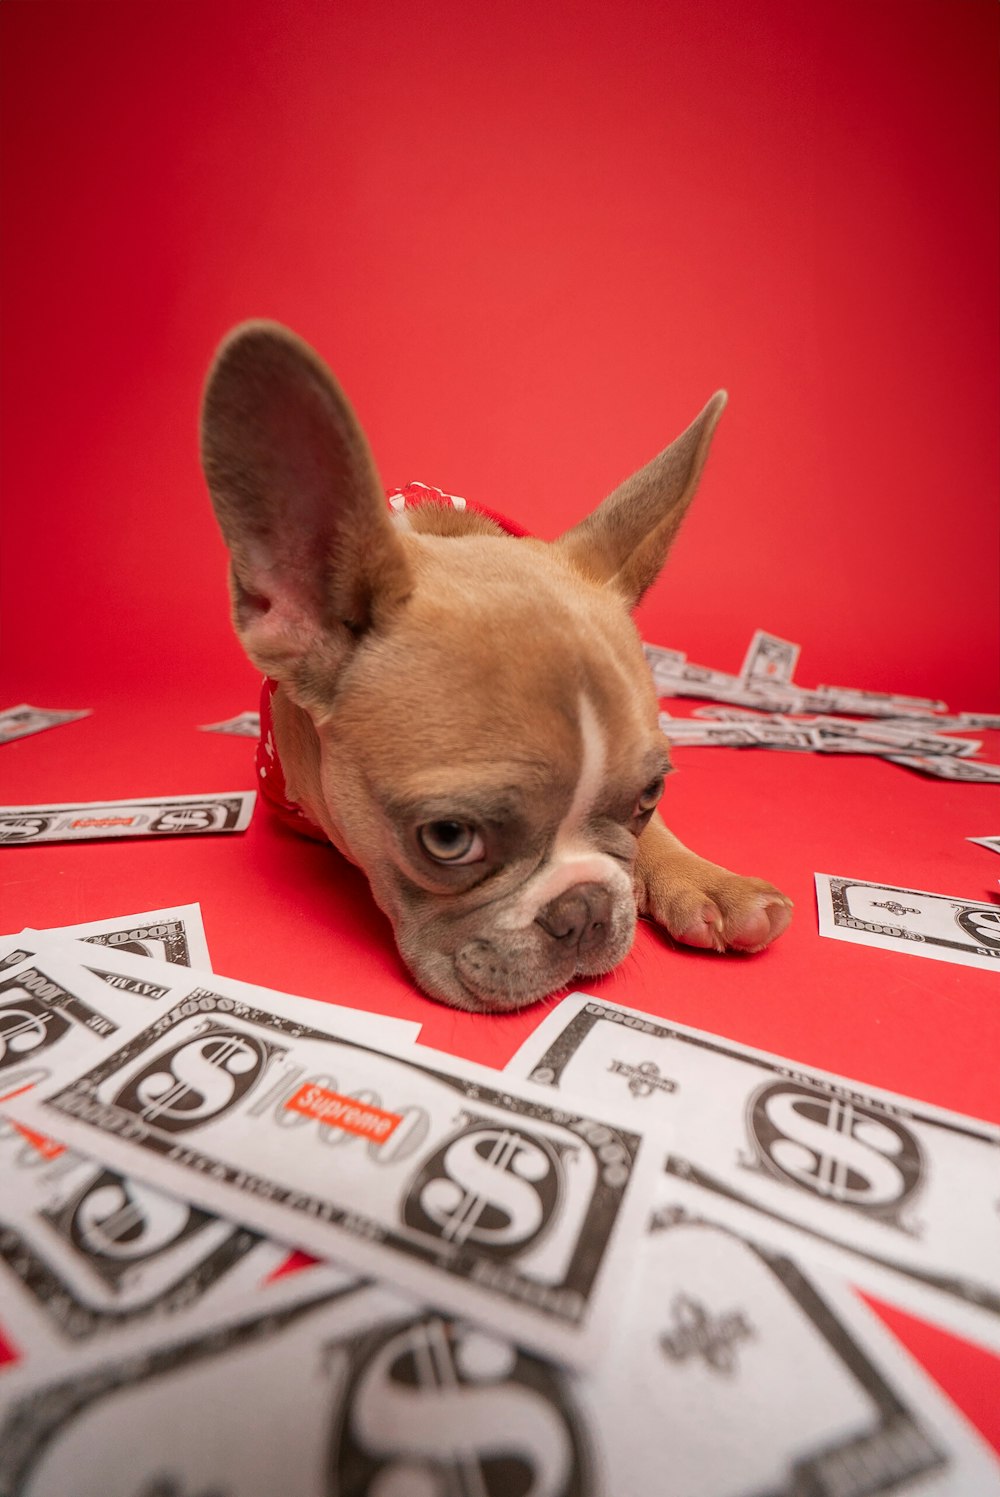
701,904
723,912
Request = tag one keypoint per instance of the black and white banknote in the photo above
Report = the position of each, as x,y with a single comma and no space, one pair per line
843,735
22,721
30,944
947,928
86,1252
899,1195
739,727
314,1129
47,1021
881,702
732,1371
743,1370
50,1018
765,682
124,1394
962,771
44,1020
993,843
243,725
176,934
158,816
769,658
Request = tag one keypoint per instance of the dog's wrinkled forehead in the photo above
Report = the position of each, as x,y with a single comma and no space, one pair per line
530,681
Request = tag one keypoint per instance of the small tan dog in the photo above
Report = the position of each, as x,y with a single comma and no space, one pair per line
467,715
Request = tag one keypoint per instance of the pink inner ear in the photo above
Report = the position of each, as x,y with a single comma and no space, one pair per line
277,631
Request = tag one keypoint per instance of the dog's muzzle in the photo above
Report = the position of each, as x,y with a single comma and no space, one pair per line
584,931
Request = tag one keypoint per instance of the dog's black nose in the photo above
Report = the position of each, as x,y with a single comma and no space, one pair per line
578,917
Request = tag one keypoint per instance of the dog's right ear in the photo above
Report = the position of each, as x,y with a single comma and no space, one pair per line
624,543
315,560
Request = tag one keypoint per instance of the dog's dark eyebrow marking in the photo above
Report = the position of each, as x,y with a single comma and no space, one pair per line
462,804
655,763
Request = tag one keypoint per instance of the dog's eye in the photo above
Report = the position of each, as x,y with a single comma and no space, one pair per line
649,798
451,842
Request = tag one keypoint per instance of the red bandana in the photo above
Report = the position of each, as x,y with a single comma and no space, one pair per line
270,775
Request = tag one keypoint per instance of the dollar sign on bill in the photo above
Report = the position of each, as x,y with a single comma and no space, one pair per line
982,925
189,819
495,1185
27,1026
196,1080
436,1406
115,1220
835,1147
22,828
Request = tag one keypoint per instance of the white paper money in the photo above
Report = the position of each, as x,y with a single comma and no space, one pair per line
769,658
967,771
663,665
936,722
42,1019
34,945
884,698
741,1370
993,843
147,1351
175,934
157,816
87,1252
740,728
720,735
947,928
733,1371
431,1172
885,739
243,725
148,977
766,682
899,1195
242,1408
20,722
988,720
46,1021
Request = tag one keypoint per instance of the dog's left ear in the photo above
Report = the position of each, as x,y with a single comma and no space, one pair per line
624,543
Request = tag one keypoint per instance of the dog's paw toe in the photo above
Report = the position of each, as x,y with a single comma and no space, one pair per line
704,928
754,924
734,914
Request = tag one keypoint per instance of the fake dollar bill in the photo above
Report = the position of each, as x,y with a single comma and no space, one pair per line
47,1021
765,681
769,658
966,931
742,728
433,1173
962,771
20,722
898,1194
176,934
243,725
158,816
86,1252
713,1334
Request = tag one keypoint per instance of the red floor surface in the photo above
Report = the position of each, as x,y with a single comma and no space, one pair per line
531,241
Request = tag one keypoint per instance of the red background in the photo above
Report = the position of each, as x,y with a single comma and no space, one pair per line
531,240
